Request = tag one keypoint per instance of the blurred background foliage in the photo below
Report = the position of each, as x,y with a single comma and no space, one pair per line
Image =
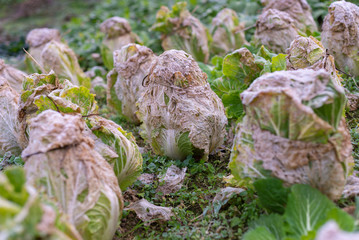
79,20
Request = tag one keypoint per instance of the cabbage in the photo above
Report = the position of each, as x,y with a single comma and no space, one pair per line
299,10
61,162
118,147
180,30
227,32
61,58
44,91
12,75
341,35
118,34
308,52
239,69
9,125
275,30
50,53
132,65
37,40
24,215
182,116
294,130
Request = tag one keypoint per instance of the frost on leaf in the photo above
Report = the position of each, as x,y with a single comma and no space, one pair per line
275,30
147,211
308,52
182,116
61,162
172,180
118,34
227,32
181,31
9,125
299,10
294,130
12,75
131,65
341,35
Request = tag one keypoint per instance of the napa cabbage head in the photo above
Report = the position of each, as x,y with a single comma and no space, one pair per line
308,52
47,52
118,33
62,163
180,30
340,35
181,115
124,83
227,32
299,10
275,30
294,130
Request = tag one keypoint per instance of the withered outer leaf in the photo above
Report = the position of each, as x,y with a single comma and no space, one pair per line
299,10
227,32
13,76
147,211
172,180
131,65
341,35
308,52
9,125
178,99
324,166
275,29
27,108
75,174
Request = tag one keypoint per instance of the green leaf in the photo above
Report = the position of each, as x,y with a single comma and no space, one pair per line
279,62
82,97
274,223
265,53
306,208
233,104
240,66
107,57
127,161
272,195
330,105
343,219
184,143
260,233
